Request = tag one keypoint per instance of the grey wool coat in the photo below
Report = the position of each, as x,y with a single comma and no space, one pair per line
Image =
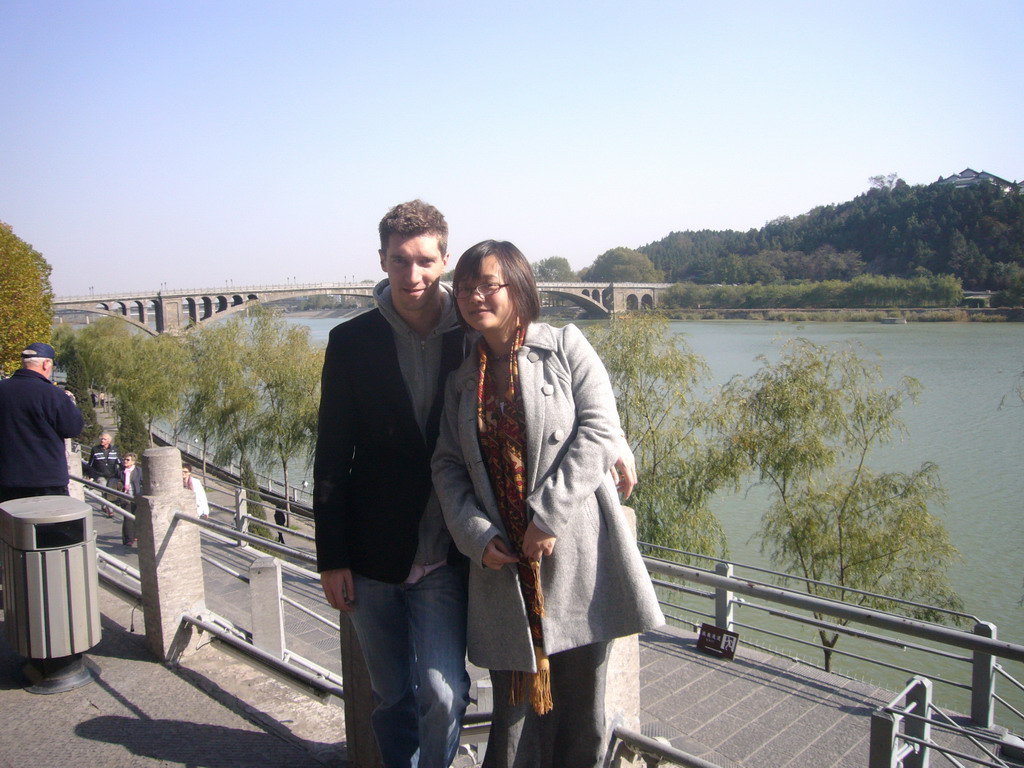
595,584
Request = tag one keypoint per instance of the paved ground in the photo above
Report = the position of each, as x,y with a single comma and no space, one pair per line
757,711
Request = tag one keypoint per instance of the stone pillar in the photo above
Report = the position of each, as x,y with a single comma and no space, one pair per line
359,703
169,556
265,594
622,698
170,317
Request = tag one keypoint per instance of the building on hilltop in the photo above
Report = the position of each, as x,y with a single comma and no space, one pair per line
968,177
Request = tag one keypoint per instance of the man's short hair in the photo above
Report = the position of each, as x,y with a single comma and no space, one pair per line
414,219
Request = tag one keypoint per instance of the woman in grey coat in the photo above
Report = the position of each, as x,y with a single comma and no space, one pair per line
522,468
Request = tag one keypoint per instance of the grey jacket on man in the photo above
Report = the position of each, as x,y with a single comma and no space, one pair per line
595,584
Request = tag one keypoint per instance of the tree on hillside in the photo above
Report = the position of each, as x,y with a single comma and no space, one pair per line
655,376
621,265
26,299
807,425
554,269
885,182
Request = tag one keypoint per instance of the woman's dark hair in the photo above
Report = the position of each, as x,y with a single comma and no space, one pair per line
516,274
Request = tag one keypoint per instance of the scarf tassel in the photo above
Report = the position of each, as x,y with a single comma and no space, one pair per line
536,686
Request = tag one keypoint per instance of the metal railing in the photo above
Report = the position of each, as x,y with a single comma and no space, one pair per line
976,651
627,746
300,496
907,731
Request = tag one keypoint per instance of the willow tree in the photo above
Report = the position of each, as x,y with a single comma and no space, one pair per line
26,298
657,380
221,406
807,425
149,383
286,368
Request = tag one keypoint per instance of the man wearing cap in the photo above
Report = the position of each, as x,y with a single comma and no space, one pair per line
35,419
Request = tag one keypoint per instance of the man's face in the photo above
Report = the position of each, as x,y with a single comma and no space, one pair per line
105,441
414,266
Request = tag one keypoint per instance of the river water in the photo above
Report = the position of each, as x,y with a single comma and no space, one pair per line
968,370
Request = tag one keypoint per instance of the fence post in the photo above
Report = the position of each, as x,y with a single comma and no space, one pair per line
920,696
882,739
170,563
723,599
359,704
241,510
265,605
983,680
73,454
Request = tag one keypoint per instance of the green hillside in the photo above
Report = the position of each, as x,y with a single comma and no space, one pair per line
975,233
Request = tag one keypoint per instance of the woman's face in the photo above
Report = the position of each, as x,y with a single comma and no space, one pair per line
493,315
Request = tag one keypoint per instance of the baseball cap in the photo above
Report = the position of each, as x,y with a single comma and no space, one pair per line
38,349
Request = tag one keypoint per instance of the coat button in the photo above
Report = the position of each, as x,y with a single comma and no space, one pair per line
559,435
547,389
533,357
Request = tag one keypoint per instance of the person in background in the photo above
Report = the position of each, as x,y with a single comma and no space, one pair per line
131,483
105,466
35,419
193,484
281,518
523,469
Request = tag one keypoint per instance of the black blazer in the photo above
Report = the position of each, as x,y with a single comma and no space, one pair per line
371,473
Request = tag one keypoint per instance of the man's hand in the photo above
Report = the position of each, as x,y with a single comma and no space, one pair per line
496,554
537,542
624,471
339,589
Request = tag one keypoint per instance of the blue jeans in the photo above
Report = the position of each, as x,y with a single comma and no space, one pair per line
413,638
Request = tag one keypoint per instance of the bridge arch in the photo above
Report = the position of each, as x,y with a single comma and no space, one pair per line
581,299
103,311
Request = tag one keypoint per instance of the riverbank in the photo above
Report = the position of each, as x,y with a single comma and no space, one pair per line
911,315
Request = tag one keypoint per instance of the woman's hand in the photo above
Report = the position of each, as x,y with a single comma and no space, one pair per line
497,556
537,543
624,471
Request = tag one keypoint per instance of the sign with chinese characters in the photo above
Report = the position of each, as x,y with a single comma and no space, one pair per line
717,642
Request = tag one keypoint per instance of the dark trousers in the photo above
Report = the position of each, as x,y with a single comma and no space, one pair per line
8,492
128,526
572,734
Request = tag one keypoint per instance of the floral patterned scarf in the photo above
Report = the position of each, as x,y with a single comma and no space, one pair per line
502,429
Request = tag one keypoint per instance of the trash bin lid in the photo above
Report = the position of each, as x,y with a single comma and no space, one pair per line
20,519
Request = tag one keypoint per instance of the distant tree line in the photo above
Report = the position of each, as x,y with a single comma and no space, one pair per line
863,291
975,234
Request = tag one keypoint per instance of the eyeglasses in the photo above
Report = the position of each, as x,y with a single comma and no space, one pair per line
483,290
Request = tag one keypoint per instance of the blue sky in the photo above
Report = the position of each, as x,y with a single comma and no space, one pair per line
192,143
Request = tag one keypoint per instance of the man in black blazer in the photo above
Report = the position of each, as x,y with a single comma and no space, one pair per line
383,551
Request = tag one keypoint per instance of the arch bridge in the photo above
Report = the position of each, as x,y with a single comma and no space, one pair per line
175,311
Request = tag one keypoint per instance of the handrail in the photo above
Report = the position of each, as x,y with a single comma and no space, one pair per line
893,622
806,580
648,748
320,683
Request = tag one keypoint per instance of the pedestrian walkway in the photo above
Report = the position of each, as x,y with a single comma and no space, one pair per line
757,711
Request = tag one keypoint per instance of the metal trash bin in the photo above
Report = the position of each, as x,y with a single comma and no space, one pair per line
51,588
